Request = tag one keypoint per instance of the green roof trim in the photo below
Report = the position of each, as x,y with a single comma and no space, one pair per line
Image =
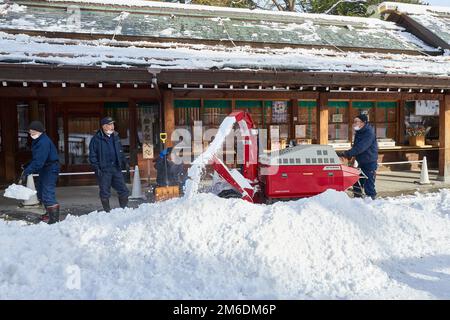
387,104
222,104
363,104
307,103
187,104
338,104
115,105
241,104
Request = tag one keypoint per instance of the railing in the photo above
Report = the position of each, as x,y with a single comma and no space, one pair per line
79,173
401,162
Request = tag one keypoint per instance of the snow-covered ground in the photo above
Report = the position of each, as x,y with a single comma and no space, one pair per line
328,246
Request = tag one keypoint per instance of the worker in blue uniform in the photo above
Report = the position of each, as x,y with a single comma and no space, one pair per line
365,150
107,158
45,162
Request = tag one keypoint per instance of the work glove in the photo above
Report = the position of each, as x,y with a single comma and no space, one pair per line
340,154
22,180
98,172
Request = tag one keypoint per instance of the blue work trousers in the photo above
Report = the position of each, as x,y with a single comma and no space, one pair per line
111,177
368,184
48,176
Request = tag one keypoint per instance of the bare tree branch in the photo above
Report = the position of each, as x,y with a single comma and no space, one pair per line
279,7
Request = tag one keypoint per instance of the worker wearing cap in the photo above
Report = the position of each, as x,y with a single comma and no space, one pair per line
365,150
107,159
45,162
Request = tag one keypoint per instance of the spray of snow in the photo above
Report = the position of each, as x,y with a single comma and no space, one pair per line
19,192
196,170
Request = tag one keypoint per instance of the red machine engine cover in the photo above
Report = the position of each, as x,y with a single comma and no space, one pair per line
298,181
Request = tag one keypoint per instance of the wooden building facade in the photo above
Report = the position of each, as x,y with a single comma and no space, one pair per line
143,81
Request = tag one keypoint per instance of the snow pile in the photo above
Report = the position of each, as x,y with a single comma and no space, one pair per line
328,246
196,169
19,192
11,7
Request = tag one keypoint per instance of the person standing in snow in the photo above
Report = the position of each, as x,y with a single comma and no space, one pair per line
365,150
107,159
45,161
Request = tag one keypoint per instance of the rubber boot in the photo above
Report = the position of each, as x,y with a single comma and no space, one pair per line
123,202
53,214
105,204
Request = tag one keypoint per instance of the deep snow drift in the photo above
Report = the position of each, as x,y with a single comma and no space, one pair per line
328,246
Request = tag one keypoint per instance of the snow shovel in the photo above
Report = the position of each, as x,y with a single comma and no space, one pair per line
19,191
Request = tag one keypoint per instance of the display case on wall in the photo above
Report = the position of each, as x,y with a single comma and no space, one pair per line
422,118
382,115
338,123
277,115
305,124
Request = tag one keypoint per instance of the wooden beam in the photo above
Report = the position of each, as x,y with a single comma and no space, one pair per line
418,30
295,78
241,94
350,121
385,96
444,140
294,114
132,112
77,94
73,74
112,75
9,112
322,118
400,133
169,115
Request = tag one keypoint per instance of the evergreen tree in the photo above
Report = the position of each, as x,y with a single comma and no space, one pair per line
359,8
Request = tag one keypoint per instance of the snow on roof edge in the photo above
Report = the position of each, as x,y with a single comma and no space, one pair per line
412,8
154,4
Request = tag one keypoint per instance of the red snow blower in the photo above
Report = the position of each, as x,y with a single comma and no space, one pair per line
292,173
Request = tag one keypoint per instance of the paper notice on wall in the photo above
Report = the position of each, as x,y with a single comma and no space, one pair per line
147,151
279,111
381,132
337,117
300,131
427,107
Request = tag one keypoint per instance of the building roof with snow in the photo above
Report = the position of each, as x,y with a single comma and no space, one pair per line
429,23
161,35
168,22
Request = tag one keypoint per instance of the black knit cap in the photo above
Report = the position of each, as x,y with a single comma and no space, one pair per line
36,126
106,120
362,117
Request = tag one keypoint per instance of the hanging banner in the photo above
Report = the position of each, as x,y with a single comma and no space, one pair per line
279,111
147,151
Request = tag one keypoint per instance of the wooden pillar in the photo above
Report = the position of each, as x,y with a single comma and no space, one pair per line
9,128
322,118
350,121
169,115
400,133
444,139
294,118
34,110
133,125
